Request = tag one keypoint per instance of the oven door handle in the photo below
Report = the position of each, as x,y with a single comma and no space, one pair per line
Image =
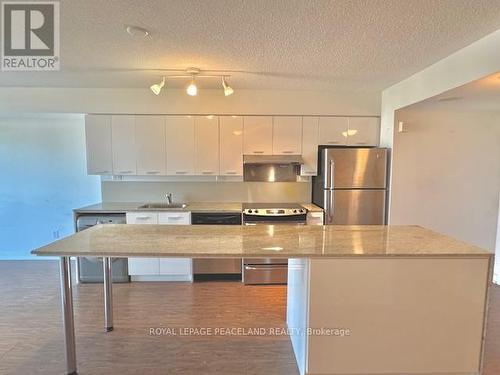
276,223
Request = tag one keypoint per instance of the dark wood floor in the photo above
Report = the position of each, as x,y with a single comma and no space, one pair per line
31,339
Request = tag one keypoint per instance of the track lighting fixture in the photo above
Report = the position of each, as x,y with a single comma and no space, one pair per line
192,90
228,90
156,88
193,74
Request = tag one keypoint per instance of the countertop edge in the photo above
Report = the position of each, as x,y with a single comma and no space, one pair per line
281,256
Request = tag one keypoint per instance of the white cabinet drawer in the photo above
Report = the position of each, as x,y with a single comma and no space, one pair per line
142,218
174,218
175,266
143,266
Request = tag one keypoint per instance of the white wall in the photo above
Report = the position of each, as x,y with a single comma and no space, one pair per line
142,101
43,177
446,173
279,192
473,62
496,276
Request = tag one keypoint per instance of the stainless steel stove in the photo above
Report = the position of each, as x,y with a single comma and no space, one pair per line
270,270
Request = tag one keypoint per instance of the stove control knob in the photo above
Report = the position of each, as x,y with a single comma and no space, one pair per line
294,211
249,211
256,211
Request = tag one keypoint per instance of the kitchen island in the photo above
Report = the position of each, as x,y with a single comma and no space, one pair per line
361,299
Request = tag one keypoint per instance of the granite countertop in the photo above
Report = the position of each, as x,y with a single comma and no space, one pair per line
122,207
278,241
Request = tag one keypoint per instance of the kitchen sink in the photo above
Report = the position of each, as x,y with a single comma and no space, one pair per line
162,206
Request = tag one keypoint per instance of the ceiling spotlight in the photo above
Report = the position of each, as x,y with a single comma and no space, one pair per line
192,90
156,88
228,90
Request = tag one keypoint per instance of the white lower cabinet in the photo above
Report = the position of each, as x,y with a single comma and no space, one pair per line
160,269
143,266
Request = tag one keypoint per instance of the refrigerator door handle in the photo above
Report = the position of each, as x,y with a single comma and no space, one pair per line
329,168
332,173
329,206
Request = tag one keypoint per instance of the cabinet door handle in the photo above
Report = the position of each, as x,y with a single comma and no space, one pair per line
207,172
258,152
230,172
152,172
333,142
287,152
308,172
103,172
180,172
360,143
125,172
174,217
143,217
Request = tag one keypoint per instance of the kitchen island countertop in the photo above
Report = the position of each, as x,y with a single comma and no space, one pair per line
287,241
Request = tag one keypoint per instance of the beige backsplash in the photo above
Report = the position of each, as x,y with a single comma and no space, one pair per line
279,192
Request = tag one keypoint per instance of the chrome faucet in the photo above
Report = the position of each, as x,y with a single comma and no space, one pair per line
168,196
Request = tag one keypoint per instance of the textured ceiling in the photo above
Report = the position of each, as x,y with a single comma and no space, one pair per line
480,95
280,44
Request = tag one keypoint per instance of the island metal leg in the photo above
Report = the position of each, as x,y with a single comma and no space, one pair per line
68,318
108,294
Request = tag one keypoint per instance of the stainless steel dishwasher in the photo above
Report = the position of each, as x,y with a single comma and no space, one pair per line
90,268
216,268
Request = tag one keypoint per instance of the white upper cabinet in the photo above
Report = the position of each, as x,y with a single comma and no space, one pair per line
363,131
333,131
231,145
287,135
123,145
150,145
180,145
310,136
258,135
98,142
207,145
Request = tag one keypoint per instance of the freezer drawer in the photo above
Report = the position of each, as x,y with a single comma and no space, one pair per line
265,274
355,207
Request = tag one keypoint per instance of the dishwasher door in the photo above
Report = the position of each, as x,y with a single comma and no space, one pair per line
216,266
90,269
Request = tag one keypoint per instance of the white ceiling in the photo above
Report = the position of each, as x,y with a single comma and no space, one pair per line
361,45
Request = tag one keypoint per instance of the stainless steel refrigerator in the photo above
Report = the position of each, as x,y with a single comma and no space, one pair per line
351,185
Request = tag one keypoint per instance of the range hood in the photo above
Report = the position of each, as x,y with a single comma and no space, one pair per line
271,168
